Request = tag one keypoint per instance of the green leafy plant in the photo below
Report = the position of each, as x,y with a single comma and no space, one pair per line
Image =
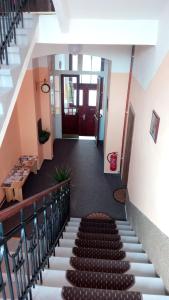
44,136
62,173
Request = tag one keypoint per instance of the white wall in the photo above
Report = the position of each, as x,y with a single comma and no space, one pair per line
116,106
102,31
150,58
148,175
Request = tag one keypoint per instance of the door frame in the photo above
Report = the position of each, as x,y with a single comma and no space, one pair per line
62,93
99,105
128,139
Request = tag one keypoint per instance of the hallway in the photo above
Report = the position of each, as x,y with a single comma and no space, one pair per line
39,6
91,190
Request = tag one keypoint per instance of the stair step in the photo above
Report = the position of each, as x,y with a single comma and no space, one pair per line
8,75
147,285
119,226
121,232
128,247
41,292
124,239
117,221
51,293
130,256
137,269
4,90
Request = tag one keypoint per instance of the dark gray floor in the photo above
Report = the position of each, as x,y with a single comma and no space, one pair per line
91,189
39,6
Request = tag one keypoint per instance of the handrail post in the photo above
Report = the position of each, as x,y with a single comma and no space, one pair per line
6,259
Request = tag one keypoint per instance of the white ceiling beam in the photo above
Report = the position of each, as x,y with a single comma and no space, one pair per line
62,14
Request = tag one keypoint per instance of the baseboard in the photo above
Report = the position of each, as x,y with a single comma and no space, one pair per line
155,243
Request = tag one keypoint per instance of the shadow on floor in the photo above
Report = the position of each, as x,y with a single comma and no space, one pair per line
91,189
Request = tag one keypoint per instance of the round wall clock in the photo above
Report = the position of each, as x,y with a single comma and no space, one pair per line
45,87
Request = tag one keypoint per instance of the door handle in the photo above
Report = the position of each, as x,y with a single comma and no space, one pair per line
84,117
98,116
95,116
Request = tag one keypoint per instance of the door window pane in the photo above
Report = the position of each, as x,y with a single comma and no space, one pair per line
80,97
70,95
92,97
88,79
93,79
85,79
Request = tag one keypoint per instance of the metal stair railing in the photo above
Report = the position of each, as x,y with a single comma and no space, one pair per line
11,15
36,225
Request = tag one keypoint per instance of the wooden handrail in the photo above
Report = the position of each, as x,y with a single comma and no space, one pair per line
11,211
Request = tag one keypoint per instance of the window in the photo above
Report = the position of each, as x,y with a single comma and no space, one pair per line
75,62
87,64
96,64
91,63
92,97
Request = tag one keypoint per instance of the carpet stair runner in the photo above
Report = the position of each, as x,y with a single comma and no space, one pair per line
99,258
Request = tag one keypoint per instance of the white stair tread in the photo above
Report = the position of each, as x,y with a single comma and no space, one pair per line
117,221
4,90
119,226
6,70
51,293
137,269
13,49
125,239
130,256
126,246
121,232
147,285
43,292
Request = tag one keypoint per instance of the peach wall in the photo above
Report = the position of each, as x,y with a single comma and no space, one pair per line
115,116
32,106
148,174
10,149
38,110
46,115
27,116
22,136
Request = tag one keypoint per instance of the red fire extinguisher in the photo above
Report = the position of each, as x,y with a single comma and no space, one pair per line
112,159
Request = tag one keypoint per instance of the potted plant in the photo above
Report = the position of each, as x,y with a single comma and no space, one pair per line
61,174
43,136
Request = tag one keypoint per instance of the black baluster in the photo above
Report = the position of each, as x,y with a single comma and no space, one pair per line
6,260
24,237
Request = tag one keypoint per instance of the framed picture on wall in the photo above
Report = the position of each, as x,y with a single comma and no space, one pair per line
155,121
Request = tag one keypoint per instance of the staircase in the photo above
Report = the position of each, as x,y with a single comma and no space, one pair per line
45,254
14,58
99,259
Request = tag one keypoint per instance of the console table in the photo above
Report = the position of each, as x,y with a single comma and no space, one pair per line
15,180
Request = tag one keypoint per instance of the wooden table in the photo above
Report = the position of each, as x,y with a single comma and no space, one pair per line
15,180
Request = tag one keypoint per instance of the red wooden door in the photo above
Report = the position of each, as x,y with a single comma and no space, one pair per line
87,109
70,98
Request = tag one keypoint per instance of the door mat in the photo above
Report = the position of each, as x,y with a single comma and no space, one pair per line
120,195
98,216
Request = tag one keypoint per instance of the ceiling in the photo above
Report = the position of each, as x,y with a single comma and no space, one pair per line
115,9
